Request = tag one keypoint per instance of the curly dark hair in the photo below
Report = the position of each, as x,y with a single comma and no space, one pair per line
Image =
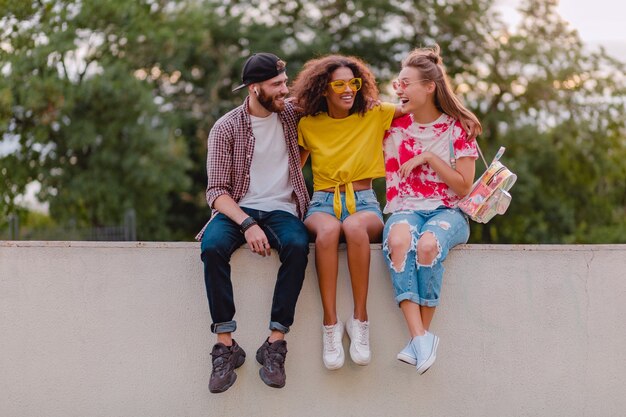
312,82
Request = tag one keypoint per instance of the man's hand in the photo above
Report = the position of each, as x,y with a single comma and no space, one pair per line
371,103
257,241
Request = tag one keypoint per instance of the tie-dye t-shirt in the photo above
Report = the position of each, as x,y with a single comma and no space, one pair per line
423,189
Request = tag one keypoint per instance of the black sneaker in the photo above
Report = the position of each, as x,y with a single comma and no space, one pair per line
260,353
272,357
239,356
225,360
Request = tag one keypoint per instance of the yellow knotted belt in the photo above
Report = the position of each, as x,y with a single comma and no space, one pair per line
350,200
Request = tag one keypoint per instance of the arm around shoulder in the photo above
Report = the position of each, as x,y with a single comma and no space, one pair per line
304,155
219,163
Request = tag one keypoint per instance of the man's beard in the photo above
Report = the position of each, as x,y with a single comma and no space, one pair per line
270,103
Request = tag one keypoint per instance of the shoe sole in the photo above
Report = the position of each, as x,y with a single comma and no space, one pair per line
332,367
406,359
224,388
353,355
268,382
356,360
431,359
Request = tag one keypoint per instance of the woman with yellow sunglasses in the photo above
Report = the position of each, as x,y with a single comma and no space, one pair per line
343,136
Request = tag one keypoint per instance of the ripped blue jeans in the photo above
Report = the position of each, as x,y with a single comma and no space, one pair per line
413,280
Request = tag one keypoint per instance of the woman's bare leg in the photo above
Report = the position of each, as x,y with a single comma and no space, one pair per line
326,230
360,229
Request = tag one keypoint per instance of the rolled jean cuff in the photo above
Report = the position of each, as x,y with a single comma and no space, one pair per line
414,298
224,327
274,325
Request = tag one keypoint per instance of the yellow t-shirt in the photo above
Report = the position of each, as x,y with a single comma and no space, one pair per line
345,150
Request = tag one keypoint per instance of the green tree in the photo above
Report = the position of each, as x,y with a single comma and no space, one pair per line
559,109
89,131
109,104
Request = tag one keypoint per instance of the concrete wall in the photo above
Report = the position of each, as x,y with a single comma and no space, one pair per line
121,329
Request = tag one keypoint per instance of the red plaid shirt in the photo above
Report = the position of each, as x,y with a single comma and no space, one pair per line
229,156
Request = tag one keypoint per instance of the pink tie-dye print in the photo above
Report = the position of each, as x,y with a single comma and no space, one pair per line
422,189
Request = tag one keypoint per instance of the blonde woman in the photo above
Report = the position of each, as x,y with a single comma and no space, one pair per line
429,163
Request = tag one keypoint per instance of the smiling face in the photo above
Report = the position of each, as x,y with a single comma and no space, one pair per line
418,93
339,104
271,94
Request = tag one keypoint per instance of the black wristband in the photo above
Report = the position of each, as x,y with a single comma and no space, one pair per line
246,224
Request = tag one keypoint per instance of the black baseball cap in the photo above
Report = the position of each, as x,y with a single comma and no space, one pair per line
260,67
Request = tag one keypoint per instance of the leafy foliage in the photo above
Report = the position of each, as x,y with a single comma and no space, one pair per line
90,132
108,104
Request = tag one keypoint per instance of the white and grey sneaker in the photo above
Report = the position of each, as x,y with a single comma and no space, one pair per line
332,354
359,332
425,348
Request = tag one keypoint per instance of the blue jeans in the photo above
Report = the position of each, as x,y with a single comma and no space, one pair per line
414,281
287,234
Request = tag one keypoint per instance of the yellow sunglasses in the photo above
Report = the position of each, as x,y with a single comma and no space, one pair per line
339,86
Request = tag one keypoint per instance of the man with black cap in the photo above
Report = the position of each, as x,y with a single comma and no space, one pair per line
258,196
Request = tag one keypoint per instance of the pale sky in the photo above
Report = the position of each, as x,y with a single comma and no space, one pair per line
598,22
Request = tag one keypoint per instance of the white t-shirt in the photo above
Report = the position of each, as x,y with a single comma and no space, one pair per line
270,188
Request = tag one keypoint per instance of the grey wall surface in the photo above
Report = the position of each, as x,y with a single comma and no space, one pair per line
121,329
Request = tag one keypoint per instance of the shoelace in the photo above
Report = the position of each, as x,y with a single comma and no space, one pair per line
275,359
221,362
363,333
329,336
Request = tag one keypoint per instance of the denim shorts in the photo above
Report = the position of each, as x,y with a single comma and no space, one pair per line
322,202
413,280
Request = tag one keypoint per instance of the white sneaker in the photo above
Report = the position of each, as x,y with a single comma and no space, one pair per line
332,354
407,355
425,348
359,332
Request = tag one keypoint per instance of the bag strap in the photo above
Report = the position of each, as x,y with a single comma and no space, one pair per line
481,155
480,152
452,155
